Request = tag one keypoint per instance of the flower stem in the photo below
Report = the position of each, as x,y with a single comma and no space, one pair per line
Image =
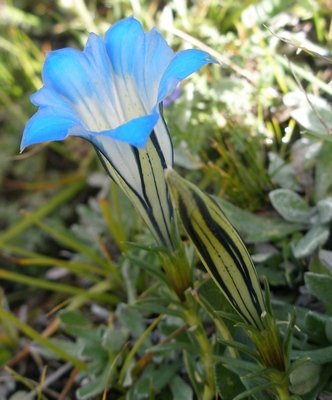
283,392
179,274
192,318
219,323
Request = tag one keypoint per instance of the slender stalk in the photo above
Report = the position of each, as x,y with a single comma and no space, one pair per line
136,346
192,318
219,323
281,389
283,393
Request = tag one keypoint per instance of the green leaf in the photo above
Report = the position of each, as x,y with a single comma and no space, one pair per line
275,276
148,266
258,391
114,339
320,286
308,118
322,389
304,378
315,324
256,228
96,386
239,366
288,335
311,241
323,176
304,153
74,318
328,329
174,346
325,257
324,208
282,173
154,379
131,319
317,266
70,347
190,365
228,383
180,389
92,350
290,205
210,293
240,347
156,305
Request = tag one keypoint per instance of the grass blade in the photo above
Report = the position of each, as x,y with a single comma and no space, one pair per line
48,208
34,335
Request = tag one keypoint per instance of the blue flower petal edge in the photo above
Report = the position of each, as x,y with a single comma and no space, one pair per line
112,88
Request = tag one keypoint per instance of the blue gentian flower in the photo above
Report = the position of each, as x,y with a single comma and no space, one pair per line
112,88
110,94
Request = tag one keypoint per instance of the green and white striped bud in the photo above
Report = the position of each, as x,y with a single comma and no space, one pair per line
220,248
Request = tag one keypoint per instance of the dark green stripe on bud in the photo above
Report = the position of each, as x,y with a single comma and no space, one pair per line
220,247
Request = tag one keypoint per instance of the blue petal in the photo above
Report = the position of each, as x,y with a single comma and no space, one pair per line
124,41
68,72
45,126
183,64
156,56
98,60
54,102
135,132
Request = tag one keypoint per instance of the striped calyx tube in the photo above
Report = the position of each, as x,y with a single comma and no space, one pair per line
139,172
220,248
